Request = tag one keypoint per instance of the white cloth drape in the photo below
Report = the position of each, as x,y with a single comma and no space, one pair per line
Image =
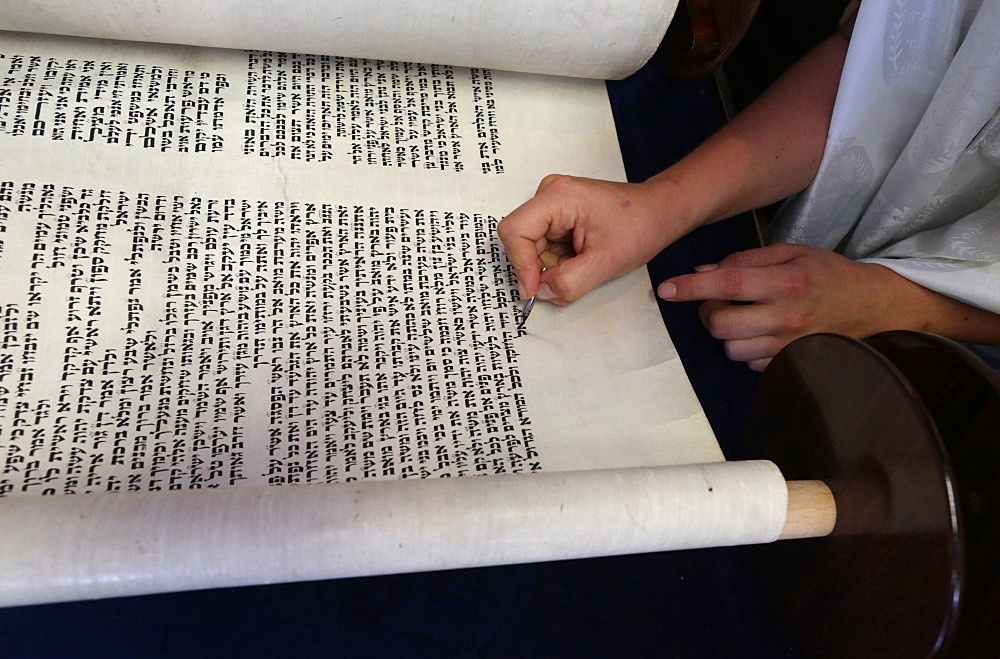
910,178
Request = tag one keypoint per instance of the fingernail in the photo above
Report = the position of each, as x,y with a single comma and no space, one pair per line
668,290
706,267
545,292
520,291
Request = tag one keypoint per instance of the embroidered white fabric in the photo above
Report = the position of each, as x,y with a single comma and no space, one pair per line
910,177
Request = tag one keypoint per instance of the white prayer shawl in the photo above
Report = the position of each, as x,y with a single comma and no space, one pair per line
910,178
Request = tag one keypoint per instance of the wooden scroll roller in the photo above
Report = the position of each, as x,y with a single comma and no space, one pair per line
904,431
889,451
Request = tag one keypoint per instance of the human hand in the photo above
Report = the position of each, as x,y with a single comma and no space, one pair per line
793,290
584,232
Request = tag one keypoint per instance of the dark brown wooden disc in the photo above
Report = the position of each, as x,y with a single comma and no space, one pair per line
886,583
963,396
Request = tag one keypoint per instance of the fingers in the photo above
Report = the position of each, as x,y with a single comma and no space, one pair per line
764,256
783,279
584,231
726,321
761,257
518,233
750,333
794,290
737,284
556,253
537,234
755,349
572,278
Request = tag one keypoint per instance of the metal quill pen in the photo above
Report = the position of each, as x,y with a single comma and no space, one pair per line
527,309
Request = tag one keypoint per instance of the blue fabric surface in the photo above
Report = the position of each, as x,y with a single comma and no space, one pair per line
989,354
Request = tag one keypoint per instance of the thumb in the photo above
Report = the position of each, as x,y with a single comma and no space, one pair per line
573,278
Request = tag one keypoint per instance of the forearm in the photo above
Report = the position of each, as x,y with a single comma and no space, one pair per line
907,305
768,152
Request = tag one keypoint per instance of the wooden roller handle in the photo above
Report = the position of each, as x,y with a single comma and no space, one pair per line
812,512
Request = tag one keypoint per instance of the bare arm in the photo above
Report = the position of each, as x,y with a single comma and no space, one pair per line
597,230
769,151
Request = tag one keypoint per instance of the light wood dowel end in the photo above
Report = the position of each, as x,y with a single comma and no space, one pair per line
812,512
